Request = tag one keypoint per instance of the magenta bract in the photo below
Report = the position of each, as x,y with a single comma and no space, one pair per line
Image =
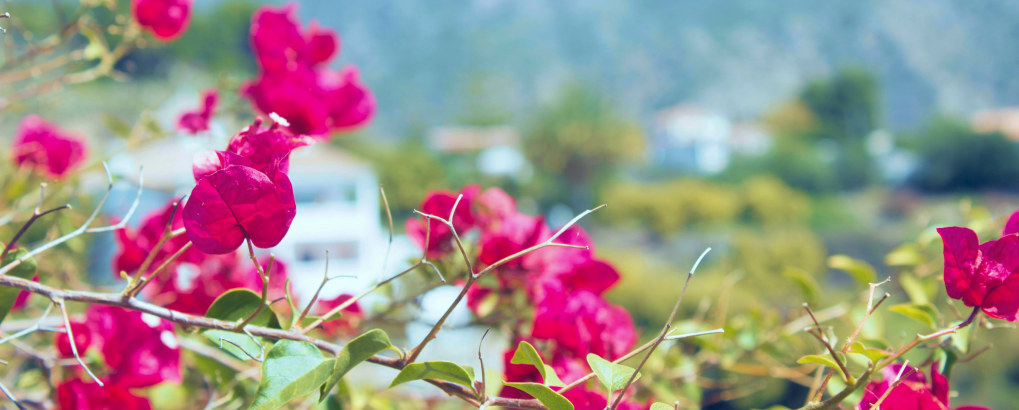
235,203
981,275
165,19
196,121
46,148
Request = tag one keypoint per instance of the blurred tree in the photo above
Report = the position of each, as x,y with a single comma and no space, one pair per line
846,104
953,157
218,38
579,140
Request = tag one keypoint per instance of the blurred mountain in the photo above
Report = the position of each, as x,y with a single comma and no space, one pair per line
440,61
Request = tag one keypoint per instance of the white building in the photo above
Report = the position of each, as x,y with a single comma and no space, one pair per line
696,139
338,209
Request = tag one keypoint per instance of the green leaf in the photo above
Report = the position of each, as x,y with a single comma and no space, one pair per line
26,270
118,127
235,305
921,312
806,282
612,376
874,355
962,337
860,270
545,395
823,360
450,372
913,288
905,255
358,350
526,354
290,370
662,406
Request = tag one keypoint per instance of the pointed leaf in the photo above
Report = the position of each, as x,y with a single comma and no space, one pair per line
290,370
26,270
234,305
358,350
860,270
823,360
920,312
612,376
526,354
874,355
806,282
450,372
545,395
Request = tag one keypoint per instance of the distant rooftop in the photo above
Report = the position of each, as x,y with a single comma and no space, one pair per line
472,139
1004,120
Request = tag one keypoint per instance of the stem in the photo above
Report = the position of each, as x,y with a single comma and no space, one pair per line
354,299
661,336
74,343
155,273
184,319
264,275
167,234
871,307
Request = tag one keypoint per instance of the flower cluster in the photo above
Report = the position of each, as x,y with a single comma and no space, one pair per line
564,286
913,392
138,349
981,275
295,80
197,121
165,19
193,280
46,148
244,192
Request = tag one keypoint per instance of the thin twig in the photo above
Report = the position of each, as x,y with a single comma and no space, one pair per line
871,307
76,232
483,391
155,273
74,343
167,234
661,336
184,319
389,245
35,215
264,275
413,354
898,379
10,396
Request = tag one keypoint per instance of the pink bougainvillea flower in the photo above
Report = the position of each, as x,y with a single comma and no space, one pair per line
165,19
582,322
314,101
492,206
78,394
296,82
22,298
134,246
345,326
266,147
197,121
513,234
584,399
1012,226
46,148
913,393
981,275
141,350
440,203
234,201
82,340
